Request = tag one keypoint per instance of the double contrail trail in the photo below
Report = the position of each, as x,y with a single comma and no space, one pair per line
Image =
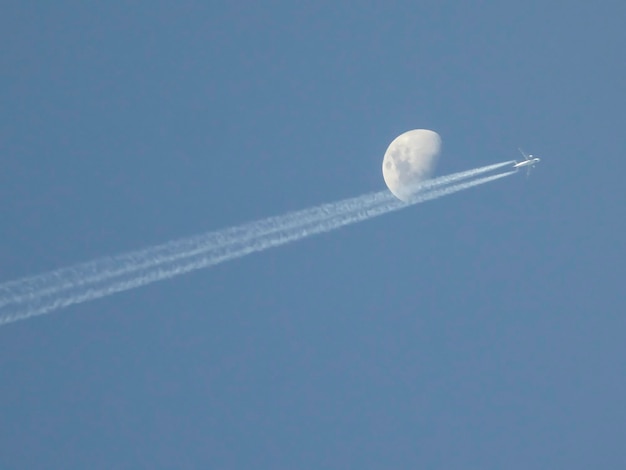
37,295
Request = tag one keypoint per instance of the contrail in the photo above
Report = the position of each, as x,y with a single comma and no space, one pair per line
229,251
30,288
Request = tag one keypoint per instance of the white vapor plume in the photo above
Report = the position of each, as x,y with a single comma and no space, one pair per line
99,270
40,295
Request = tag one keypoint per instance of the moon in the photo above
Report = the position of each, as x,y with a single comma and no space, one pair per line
410,159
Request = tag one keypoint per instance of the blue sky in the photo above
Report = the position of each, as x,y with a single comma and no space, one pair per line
482,330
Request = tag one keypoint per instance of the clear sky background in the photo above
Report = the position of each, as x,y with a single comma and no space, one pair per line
482,330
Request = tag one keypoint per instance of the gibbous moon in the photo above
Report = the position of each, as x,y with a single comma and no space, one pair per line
409,160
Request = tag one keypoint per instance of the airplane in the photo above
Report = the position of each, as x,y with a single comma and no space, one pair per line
529,162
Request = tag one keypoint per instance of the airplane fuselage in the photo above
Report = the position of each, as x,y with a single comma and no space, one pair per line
529,162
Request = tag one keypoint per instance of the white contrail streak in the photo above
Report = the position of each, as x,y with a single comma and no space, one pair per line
97,271
235,249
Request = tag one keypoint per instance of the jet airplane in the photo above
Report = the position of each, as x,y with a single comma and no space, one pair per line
528,162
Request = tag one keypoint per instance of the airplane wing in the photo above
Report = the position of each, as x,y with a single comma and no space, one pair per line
525,155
